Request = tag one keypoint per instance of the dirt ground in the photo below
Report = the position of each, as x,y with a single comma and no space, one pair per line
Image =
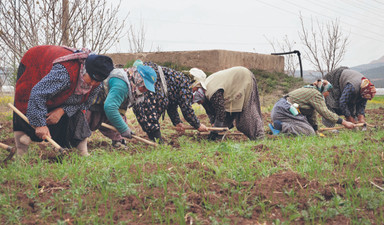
270,189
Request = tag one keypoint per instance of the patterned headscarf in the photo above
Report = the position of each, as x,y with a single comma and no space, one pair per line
135,77
367,89
321,85
82,87
198,95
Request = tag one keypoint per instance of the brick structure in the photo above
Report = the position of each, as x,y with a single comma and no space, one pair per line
209,61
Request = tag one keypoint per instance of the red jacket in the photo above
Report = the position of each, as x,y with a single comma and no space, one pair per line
38,62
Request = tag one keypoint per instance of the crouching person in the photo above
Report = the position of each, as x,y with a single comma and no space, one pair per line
173,91
349,96
121,90
227,96
296,113
54,86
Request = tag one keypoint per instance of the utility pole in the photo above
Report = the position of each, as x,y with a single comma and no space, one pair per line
64,23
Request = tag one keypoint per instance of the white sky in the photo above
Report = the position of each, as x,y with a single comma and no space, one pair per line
249,25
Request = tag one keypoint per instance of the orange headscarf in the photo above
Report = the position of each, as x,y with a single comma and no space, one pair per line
367,89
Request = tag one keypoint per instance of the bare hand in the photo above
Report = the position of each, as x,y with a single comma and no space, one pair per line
351,119
361,118
180,128
348,125
202,128
42,132
54,116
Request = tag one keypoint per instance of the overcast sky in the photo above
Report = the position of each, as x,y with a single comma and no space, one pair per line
249,25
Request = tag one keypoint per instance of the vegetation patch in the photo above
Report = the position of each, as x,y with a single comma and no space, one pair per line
336,179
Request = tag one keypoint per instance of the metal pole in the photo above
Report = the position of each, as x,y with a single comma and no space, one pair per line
298,55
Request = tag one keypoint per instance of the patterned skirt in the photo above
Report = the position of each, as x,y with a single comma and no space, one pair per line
250,121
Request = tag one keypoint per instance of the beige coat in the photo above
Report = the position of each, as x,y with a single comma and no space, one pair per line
237,83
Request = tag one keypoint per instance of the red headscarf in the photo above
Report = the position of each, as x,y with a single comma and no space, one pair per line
367,89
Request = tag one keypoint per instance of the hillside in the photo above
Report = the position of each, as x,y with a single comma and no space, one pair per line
373,71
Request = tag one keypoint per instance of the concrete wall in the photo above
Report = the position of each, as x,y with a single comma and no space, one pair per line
210,60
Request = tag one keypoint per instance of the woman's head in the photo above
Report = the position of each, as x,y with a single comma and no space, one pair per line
367,89
199,77
323,86
199,95
98,67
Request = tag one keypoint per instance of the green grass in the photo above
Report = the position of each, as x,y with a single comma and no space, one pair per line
206,182
376,102
201,182
164,176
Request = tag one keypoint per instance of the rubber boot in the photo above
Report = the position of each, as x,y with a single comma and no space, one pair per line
274,130
83,148
22,142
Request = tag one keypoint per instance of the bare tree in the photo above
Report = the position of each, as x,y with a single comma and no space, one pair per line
325,43
136,38
86,23
290,62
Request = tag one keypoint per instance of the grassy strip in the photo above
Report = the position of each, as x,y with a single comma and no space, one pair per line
203,182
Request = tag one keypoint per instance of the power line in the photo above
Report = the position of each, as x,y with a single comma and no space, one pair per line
211,24
365,7
332,18
342,13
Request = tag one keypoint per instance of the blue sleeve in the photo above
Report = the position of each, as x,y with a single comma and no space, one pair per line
56,81
118,92
345,98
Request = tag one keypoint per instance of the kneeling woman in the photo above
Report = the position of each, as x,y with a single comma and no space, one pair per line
310,100
229,96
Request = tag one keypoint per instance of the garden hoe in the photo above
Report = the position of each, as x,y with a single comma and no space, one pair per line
134,136
224,130
364,125
11,151
210,128
61,150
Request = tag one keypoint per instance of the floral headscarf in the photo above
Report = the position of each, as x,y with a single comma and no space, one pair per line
321,85
367,89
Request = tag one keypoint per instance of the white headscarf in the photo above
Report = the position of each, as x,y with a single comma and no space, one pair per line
199,77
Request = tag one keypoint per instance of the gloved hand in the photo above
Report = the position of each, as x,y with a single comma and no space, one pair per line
156,136
218,123
213,136
315,127
128,133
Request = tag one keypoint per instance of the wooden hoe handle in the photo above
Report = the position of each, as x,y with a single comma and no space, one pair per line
6,147
50,140
210,128
341,127
134,136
